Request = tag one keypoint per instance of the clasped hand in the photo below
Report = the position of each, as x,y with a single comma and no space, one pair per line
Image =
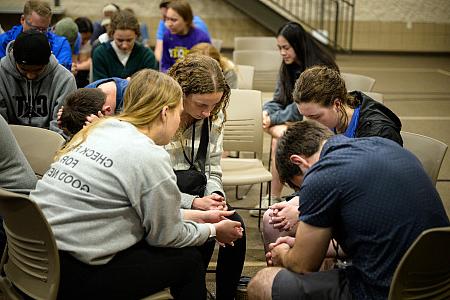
284,215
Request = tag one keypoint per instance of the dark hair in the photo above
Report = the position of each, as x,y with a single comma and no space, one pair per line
123,20
84,25
300,138
309,52
78,105
322,85
182,8
164,3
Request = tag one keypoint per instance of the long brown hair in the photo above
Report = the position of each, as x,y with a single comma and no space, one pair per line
322,85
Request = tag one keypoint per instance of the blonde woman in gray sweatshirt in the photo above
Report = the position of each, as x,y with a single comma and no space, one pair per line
114,207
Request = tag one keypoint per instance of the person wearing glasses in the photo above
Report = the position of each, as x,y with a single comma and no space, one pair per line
37,15
122,56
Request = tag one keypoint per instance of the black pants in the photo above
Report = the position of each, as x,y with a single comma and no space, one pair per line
230,262
135,273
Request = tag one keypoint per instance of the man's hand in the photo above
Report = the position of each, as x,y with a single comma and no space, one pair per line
278,250
58,118
283,216
228,231
265,120
210,202
93,118
277,131
213,216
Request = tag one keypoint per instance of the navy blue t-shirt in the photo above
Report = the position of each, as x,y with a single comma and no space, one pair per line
377,199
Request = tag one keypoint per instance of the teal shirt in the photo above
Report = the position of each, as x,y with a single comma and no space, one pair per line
106,64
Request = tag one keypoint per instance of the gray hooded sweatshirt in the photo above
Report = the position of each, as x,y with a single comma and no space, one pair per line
33,102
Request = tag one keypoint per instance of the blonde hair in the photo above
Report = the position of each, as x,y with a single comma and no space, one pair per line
200,74
40,7
146,95
211,51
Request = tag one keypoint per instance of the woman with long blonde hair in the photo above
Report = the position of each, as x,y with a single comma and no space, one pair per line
112,202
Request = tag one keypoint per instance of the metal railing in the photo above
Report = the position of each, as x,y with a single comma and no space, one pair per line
331,21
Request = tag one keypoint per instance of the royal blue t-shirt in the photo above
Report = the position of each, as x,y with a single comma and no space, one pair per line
121,85
377,199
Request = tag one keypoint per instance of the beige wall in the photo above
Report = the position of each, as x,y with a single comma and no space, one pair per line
380,25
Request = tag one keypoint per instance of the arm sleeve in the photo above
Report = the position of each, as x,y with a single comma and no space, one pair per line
100,69
64,56
213,168
160,209
279,114
160,30
384,130
66,87
150,60
319,196
165,57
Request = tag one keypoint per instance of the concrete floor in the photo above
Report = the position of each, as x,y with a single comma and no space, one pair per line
415,87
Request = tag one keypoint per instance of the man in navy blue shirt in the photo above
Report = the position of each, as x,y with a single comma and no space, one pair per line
369,194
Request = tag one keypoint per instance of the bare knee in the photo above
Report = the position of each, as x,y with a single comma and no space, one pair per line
260,287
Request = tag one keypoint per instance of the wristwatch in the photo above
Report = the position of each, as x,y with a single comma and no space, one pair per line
212,230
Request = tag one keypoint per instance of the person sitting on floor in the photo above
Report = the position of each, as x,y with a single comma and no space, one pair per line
369,194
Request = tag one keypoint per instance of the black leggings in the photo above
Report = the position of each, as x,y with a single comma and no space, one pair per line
230,262
135,273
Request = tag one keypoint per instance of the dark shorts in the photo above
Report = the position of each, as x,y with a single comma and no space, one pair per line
331,284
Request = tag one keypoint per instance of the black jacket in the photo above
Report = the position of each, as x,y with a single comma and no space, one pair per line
375,119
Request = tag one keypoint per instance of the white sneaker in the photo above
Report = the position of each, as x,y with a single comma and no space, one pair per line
264,205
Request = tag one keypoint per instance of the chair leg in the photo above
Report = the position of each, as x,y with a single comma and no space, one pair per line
245,194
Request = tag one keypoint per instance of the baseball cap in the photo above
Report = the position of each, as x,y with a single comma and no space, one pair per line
31,47
68,28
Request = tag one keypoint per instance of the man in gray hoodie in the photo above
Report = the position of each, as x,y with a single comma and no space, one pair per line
33,85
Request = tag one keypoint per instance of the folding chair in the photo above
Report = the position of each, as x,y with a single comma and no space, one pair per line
266,63
424,270
358,82
245,77
255,43
429,151
30,261
39,146
243,132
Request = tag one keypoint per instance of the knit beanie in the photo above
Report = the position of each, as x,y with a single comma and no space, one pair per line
31,47
68,28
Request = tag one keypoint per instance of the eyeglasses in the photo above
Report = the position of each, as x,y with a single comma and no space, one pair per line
41,29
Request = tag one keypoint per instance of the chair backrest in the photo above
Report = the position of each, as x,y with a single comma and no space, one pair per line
30,260
375,96
266,63
217,43
262,60
424,270
358,82
39,146
255,43
245,77
429,151
243,130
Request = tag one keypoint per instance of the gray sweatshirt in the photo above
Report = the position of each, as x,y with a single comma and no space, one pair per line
15,171
33,102
110,192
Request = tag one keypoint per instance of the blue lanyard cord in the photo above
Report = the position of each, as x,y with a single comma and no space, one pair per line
351,129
